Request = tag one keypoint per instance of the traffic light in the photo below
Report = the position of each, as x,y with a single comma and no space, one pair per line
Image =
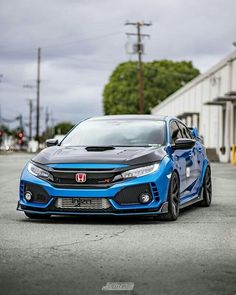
20,135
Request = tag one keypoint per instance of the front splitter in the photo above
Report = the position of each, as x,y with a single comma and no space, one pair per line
161,210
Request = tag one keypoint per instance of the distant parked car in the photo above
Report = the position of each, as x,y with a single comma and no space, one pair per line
8,143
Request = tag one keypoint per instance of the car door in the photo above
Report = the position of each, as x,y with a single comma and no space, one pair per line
201,151
179,156
193,161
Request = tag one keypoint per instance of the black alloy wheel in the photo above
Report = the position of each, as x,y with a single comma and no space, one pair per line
207,189
173,200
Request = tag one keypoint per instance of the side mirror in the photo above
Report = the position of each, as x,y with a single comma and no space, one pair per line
183,144
51,142
201,139
194,132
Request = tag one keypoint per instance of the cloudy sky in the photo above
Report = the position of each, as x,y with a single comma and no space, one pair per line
83,40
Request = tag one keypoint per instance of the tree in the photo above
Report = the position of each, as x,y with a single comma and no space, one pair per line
161,78
63,127
4,129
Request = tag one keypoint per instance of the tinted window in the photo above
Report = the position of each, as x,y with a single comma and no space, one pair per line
184,130
117,133
190,133
175,132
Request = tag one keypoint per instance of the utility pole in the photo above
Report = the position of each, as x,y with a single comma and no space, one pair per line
1,133
0,116
20,118
139,50
38,94
30,100
1,76
52,124
47,117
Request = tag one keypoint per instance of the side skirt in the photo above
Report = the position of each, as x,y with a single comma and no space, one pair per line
196,199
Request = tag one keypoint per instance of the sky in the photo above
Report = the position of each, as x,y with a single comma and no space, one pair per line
83,41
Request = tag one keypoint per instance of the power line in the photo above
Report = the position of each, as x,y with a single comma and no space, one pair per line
138,49
11,110
84,40
64,43
12,120
86,60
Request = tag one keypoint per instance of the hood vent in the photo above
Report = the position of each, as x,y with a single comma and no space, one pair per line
99,148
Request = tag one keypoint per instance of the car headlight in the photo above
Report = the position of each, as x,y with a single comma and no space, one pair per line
137,172
39,172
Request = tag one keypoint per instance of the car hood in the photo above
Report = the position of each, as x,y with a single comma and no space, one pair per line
118,155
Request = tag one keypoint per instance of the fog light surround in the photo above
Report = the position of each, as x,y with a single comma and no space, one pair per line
145,198
28,196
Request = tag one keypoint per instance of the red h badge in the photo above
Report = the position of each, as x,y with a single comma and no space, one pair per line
80,177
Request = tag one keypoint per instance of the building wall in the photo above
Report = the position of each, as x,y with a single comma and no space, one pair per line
218,127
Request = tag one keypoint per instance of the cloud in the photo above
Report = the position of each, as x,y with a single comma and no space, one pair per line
83,40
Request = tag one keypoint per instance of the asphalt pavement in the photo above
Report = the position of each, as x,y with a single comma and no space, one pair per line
64,255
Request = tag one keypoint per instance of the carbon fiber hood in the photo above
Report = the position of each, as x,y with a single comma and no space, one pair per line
119,155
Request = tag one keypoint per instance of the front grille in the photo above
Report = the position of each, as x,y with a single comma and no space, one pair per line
130,194
64,178
82,203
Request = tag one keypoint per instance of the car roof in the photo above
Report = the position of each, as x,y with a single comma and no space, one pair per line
130,117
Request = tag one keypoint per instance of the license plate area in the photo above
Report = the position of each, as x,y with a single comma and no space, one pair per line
82,203
79,202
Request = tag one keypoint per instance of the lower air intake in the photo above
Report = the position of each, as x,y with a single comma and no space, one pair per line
130,195
82,203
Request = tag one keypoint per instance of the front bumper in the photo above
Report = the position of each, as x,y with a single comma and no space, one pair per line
132,212
157,182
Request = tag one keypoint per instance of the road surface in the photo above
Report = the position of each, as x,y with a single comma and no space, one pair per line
194,255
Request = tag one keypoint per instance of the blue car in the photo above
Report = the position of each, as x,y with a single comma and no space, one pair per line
118,165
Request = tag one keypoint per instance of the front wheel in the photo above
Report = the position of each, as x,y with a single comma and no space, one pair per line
173,200
206,189
37,216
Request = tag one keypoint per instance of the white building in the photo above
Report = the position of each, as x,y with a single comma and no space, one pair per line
209,103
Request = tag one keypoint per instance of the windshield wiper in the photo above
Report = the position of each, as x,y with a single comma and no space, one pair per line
99,148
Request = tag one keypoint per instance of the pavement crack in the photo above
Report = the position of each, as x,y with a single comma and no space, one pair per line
116,234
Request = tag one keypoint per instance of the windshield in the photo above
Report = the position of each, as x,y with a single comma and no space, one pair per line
117,133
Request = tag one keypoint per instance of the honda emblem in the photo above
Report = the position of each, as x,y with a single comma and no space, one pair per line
80,177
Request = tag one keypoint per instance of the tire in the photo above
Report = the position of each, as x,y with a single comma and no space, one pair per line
206,189
173,200
37,216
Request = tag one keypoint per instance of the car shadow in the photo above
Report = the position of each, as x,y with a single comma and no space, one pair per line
110,220
101,220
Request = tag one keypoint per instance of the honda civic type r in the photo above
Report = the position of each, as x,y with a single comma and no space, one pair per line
118,165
